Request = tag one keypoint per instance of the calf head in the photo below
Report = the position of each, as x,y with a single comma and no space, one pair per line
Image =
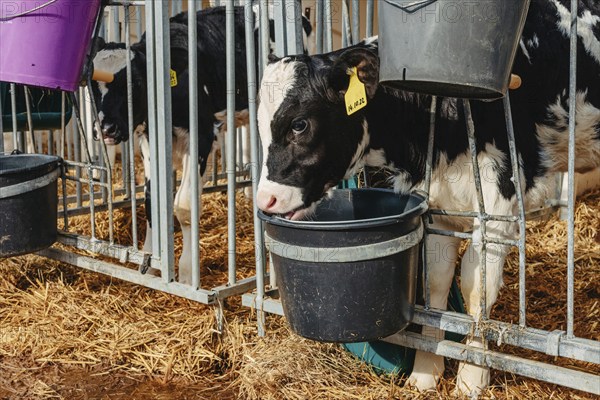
111,98
309,141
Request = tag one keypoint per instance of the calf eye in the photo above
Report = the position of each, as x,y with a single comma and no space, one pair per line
299,126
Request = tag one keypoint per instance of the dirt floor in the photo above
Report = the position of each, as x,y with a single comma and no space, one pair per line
66,333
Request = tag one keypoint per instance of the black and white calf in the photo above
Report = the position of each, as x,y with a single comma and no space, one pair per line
111,101
310,144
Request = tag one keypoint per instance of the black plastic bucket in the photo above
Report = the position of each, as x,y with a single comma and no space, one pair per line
28,203
452,48
349,274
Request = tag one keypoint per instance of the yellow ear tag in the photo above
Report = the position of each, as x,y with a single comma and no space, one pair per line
356,95
173,78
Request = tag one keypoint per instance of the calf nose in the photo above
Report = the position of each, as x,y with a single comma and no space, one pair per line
266,201
108,129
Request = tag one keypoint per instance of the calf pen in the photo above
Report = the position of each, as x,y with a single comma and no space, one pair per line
84,195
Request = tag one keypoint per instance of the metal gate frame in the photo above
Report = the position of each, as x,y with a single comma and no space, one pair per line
556,343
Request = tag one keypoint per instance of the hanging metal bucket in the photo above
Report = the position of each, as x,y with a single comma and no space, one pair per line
450,48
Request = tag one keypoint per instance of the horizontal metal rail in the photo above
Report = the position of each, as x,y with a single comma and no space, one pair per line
509,363
130,275
551,343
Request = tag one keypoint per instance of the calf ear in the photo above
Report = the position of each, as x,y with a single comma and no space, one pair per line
179,47
367,66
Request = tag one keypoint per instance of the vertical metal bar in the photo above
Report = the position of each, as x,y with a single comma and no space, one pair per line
13,101
571,171
51,142
328,27
355,22
195,209
1,128
64,198
90,177
280,28
428,173
77,138
516,171
63,124
29,118
264,32
370,17
130,173
107,178
480,206
138,25
346,35
258,238
230,147
163,139
319,22
152,127
295,37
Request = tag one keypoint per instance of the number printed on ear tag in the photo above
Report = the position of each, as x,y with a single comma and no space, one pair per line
173,78
356,95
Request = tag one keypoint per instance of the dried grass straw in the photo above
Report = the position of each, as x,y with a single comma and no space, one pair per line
66,333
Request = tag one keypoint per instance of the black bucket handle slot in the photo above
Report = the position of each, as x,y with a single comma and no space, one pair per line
411,7
345,254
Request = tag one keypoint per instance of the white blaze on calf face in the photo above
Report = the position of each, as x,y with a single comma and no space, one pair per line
271,196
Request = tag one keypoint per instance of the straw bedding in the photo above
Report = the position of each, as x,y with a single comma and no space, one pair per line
71,334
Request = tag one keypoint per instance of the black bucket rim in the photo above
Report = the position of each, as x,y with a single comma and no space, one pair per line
45,162
416,211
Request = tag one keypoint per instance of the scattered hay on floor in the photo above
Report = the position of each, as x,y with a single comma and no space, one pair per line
65,331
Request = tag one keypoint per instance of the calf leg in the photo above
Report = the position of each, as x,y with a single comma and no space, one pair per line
442,253
472,379
182,208
144,146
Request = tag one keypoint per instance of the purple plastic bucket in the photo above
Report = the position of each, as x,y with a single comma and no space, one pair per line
44,42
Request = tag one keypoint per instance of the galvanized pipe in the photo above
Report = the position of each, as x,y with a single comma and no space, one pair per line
280,29
294,31
13,101
131,159
153,128
90,177
355,22
370,17
163,140
193,144
108,172
571,171
29,118
513,364
516,171
346,34
328,47
231,145
1,129
480,206
319,22
265,41
427,188
63,124
254,148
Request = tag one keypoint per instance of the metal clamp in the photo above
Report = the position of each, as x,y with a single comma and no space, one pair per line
345,254
411,7
553,342
28,11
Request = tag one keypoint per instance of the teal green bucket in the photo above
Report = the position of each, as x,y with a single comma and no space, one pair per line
388,358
